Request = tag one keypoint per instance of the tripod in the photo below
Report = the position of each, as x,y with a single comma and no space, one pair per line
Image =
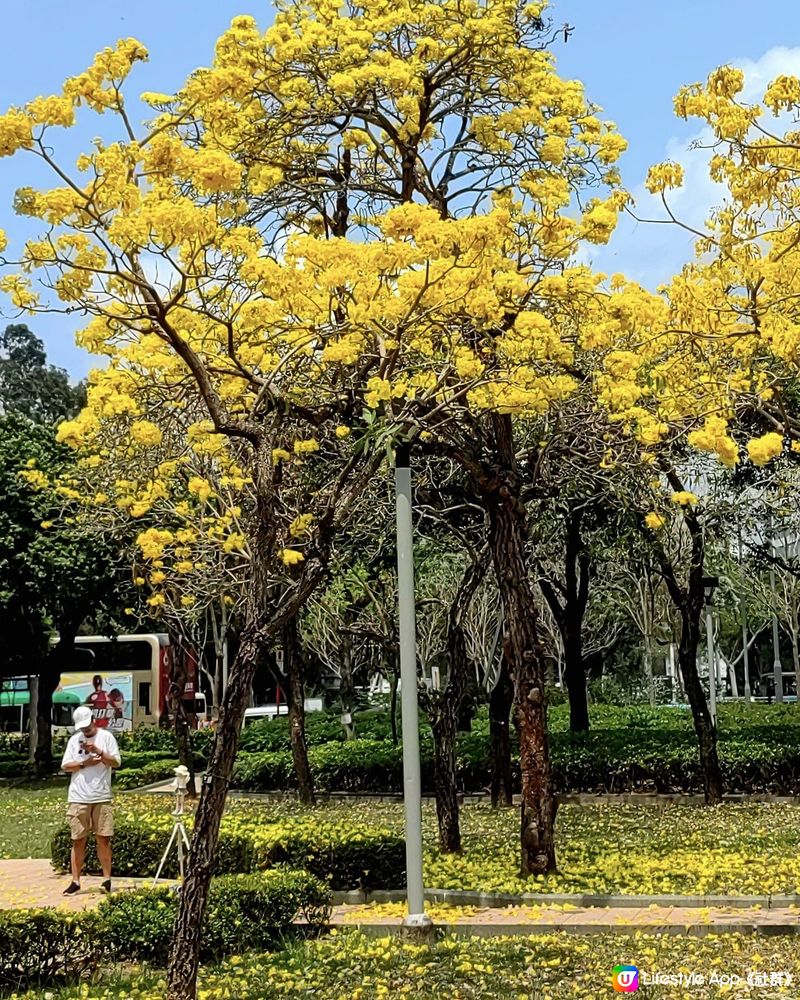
178,837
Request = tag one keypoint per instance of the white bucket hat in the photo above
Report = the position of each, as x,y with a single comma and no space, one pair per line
82,717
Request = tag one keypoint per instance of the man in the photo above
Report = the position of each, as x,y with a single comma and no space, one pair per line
99,701
90,757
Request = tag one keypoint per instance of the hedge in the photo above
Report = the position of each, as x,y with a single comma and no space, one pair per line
348,856
758,759
136,777
46,947
138,847
244,913
52,947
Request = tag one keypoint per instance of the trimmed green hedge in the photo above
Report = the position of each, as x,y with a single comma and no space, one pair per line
138,847
347,856
244,913
46,947
40,948
754,759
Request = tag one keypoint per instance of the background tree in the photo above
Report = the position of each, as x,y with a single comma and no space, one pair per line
29,385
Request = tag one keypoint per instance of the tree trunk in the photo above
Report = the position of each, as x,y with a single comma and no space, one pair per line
795,630
444,729
501,701
178,673
648,671
445,707
508,533
54,662
297,717
575,674
202,856
703,725
347,690
689,602
393,701
569,614
33,718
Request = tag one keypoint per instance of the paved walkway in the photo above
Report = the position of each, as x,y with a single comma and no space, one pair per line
31,882
386,918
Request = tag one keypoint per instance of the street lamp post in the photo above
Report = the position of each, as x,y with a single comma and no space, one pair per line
412,786
709,586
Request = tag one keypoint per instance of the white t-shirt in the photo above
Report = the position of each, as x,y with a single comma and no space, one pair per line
92,783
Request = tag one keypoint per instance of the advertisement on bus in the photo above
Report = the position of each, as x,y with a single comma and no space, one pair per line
109,695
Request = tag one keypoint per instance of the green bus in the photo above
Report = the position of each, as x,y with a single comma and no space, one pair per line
15,708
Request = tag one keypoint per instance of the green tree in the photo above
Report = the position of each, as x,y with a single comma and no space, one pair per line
29,385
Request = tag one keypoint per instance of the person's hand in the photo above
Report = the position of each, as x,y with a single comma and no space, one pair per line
95,758
90,747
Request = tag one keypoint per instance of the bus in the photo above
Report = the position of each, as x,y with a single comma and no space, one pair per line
15,700
125,680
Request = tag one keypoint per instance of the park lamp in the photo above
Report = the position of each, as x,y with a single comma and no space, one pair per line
710,584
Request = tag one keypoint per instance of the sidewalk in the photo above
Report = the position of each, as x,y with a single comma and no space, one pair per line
32,883
382,919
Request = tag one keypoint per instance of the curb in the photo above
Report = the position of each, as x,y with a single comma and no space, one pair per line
533,930
563,798
488,900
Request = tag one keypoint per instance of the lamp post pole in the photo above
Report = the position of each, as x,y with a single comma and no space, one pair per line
412,785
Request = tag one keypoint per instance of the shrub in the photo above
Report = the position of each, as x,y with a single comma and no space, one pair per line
631,748
259,771
15,768
46,947
139,845
345,855
245,913
136,777
153,739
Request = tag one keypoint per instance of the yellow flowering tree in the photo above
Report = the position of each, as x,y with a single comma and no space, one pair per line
359,224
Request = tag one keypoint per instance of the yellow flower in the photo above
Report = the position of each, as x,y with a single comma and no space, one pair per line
291,557
685,498
654,521
300,525
763,449
306,447
342,431
146,433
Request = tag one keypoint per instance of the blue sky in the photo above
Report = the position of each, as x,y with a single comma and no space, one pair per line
632,56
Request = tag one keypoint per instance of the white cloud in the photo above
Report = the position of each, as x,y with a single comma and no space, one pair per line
651,253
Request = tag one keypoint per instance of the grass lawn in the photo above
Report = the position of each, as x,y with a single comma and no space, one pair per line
29,816
545,967
736,849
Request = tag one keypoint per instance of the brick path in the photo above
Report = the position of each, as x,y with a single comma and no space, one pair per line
31,882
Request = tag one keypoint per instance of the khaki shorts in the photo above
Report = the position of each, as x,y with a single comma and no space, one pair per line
90,817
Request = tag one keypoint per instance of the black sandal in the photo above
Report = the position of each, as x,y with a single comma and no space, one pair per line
71,889
106,885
